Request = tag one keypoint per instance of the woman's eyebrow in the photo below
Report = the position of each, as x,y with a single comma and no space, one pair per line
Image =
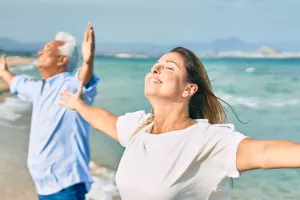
172,62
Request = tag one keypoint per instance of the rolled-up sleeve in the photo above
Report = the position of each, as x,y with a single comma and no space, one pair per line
23,87
90,90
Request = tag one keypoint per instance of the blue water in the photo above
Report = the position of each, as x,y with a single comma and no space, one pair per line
263,92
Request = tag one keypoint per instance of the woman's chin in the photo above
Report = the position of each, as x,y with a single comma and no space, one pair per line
150,93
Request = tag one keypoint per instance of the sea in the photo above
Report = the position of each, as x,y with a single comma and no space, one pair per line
264,94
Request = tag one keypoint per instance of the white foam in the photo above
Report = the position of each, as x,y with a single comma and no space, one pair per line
13,108
285,103
104,187
27,67
251,102
256,102
250,69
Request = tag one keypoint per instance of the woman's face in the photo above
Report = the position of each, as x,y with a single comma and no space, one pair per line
167,78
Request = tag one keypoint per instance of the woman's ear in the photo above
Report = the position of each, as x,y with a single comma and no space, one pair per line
190,90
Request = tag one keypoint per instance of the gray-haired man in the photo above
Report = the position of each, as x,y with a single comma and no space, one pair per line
58,155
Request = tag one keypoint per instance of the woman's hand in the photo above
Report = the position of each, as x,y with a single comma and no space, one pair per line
70,100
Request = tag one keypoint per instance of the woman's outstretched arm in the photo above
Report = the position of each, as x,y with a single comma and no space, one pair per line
267,154
99,118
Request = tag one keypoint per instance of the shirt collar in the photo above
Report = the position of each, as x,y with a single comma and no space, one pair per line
54,78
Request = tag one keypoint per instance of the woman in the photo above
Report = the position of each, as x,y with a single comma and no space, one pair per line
182,149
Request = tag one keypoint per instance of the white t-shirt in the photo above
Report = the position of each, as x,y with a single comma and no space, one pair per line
193,163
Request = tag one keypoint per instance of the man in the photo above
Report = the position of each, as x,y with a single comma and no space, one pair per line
58,155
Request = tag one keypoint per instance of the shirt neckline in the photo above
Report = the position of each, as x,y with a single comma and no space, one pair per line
52,79
145,130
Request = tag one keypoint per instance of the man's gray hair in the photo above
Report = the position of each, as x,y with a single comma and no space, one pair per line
69,48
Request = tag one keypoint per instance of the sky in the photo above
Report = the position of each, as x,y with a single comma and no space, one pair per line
153,21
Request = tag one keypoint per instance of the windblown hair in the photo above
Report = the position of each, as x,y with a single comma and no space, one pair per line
204,103
69,48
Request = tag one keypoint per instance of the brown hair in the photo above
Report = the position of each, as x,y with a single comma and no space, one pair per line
204,103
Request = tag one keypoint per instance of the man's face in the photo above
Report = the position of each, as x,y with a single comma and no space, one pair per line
49,55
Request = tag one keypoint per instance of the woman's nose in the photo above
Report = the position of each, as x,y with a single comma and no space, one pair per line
155,69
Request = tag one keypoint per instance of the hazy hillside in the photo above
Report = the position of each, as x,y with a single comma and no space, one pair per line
227,44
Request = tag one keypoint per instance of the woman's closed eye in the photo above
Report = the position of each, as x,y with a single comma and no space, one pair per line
170,68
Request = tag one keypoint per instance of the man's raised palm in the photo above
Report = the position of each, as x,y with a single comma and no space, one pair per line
88,44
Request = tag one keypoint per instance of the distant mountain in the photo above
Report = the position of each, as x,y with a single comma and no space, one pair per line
9,44
227,44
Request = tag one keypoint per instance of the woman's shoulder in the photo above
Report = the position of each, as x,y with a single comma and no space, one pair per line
208,127
207,131
136,116
128,123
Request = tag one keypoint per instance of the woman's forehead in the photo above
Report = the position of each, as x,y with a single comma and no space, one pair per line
173,56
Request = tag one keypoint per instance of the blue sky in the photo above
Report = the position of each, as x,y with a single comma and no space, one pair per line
155,21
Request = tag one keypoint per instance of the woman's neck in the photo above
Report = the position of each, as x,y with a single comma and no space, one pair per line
171,118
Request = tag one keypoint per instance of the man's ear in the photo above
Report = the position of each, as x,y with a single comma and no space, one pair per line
63,61
190,90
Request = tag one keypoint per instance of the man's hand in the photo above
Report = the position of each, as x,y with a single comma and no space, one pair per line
88,45
3,64
88,49
5,74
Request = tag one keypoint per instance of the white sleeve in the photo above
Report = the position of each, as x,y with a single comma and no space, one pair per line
127,124
231,142
225,141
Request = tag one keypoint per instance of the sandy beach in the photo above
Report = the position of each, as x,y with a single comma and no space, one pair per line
14,61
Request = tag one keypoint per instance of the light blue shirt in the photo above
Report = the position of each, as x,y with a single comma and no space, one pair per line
59,151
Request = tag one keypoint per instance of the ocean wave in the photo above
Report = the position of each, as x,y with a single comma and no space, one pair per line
13,108
285,103
250,69
257,102
27,67
251,102
103,187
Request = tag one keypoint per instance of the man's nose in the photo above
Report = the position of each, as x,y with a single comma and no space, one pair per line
40,53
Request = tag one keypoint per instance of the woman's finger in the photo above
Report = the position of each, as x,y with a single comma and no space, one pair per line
80,88
64,95
62,105
67,93
64,100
